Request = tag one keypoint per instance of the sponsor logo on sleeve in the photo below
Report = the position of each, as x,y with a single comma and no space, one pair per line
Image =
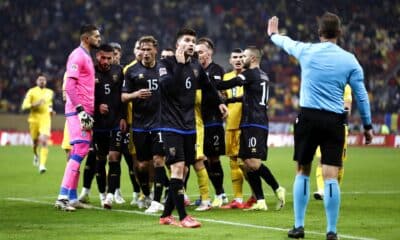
162,71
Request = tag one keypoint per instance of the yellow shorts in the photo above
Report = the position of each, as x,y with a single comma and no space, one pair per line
344,155
65,142
232,142
40,127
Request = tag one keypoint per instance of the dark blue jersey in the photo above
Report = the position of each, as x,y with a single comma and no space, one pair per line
108,91
146,112
178,89
255,84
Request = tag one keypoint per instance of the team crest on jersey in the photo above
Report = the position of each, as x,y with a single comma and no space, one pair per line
196,72
96,80
172,151
84,134
141,76
162,71
74,67
115,77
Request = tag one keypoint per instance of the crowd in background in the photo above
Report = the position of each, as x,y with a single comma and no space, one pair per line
38,35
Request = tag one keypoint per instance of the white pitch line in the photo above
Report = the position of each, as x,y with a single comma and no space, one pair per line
342,236
289,194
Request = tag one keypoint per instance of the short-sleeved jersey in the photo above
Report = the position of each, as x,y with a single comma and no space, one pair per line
178,84
43,111
255,99
80,69
235,109
108,91
210,112
146,112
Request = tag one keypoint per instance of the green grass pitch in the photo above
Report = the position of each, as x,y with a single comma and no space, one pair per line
370,203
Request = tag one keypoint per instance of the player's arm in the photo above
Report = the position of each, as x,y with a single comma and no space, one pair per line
100,98
234,100
73,72
216,77
171,72
123,106
51,101
128,93
211,93
242,79
356,82
27,103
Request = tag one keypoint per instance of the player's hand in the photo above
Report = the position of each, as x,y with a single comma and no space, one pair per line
224,110
122,125
142,93
103,108
180,55
368,134
85,119
273,26
38,103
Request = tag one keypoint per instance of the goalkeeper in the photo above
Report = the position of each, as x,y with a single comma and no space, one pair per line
79,107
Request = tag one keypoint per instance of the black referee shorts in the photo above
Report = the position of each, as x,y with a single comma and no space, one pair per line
315,128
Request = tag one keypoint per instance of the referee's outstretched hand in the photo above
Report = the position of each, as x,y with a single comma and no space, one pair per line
273,26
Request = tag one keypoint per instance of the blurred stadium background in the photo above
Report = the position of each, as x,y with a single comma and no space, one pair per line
37,36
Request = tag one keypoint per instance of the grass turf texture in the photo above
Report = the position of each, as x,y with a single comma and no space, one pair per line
370,203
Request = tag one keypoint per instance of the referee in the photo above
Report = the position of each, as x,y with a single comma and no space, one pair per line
326,69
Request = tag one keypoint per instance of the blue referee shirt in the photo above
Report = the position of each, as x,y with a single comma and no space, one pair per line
325,70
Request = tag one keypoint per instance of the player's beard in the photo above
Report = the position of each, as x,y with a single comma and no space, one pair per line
94,46
246,65
105,67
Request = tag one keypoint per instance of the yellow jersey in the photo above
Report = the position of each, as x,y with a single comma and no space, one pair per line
347,94
43,111
129,112
235,109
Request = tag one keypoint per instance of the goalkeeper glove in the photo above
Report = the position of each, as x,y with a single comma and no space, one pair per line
85,119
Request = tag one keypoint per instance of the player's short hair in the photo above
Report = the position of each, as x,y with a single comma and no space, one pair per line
169,49
255,51
148,39
206,41
237,50
329,25
115,45
106,47
185,31
88,28
41,74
